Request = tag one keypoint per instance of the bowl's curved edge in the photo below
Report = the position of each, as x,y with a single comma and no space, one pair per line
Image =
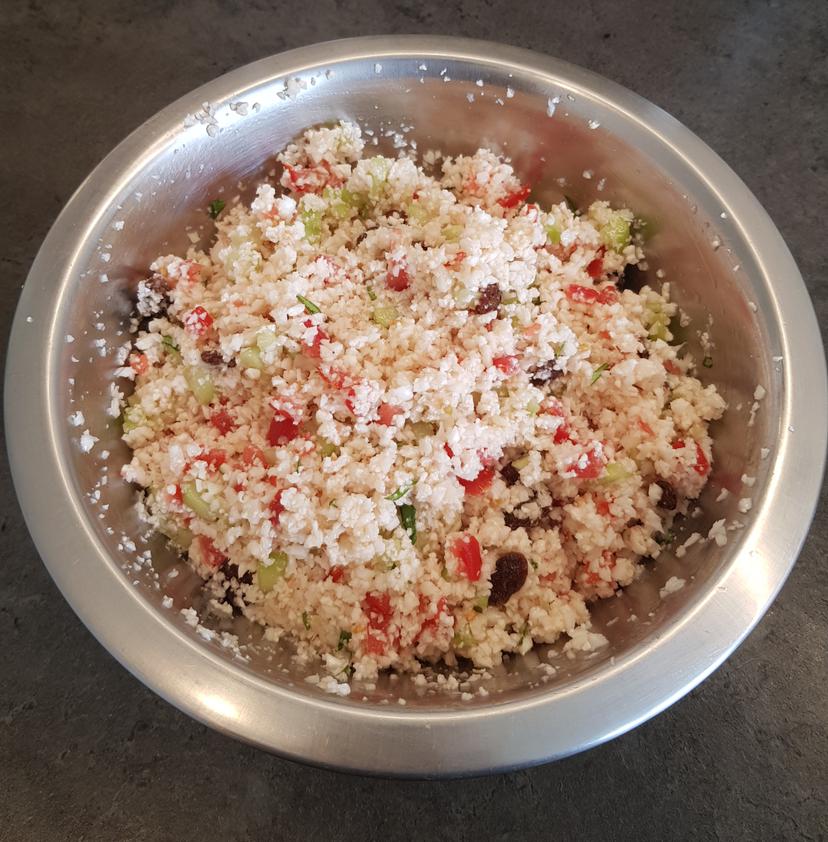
196,681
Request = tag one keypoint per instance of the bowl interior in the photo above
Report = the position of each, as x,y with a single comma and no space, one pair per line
563,140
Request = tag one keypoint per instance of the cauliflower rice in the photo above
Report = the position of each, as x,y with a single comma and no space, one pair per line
403,417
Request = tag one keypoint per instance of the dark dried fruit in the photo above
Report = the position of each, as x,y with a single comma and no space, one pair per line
515,521
509,576
489,300
510,474
632,278
635,521
668,499
544,373
231,363
212,357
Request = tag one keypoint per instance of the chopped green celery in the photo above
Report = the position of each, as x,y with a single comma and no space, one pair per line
385,316
463,639
480,604
265,339
616,233
308,305
326,448
200,383
371,294
408,520
179,535
658,330
344,639
517,324
418,213
195,502
378,169
251,358
464,297
615,473
422,429
345,202
509,298
596,375
169,346
532,407
451,233
312,220
306,620
553,234
521,463
134,417
269,574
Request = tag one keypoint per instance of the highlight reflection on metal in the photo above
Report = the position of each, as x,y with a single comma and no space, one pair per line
137,204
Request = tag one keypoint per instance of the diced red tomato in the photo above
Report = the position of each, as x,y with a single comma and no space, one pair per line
198,321
373,645
336,573
138,363
210,555
192,271
223,421
282,429
214,459
591,295
174,496
309,179
514,198
397,277
334,377
314,348
238,487
595,268
387,412
252,455
590,467
645,427
430,623
449,451
508,365
276,508
480,484
455,261
678,444
466,550
670,366
377,608
603,507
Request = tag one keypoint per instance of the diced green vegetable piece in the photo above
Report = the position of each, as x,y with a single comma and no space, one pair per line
371,294
265,339
215,207
553,234
193,500
596,375
664,538
509,298
134,417
463,639
378,169
408,520
480,604
326,448
521,463
614,473
422,429
418,213
308,304
344,639
385,316
269,574
400,492
646,228
707,362
616,233
179,535
451,233
251,358
200,383
312,220
169,346
464,297
306,620
658,330
532,407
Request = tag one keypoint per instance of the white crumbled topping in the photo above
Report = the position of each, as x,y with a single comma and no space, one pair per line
723,495
749,481
759,393
87,441
764,453
69,339
672,585
76,419
718,533
745,505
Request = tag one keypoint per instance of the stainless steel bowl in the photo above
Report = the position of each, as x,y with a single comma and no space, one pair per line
714,242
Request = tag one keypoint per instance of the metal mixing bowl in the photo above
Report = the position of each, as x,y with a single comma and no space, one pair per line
712,240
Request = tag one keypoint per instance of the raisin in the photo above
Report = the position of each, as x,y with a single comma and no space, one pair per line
212,357
231,363
489,300
544,373
635,521
668,499
514,521
509,576
510,474
632,278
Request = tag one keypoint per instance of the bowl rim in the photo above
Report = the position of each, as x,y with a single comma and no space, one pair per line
329,732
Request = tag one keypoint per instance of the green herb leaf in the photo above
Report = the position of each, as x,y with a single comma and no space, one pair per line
596,375
533,563
408,520
306,620
401,492
371,294
215,208
344,637
308,304
169,345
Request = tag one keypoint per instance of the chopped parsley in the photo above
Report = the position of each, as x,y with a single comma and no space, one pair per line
215,208
371,294
344,638
306,620
400,492
308,304
408,520
169,345
596,375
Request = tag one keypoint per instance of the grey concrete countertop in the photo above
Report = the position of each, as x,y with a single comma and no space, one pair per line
86,752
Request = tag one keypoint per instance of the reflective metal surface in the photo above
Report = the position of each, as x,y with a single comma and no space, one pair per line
712,240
